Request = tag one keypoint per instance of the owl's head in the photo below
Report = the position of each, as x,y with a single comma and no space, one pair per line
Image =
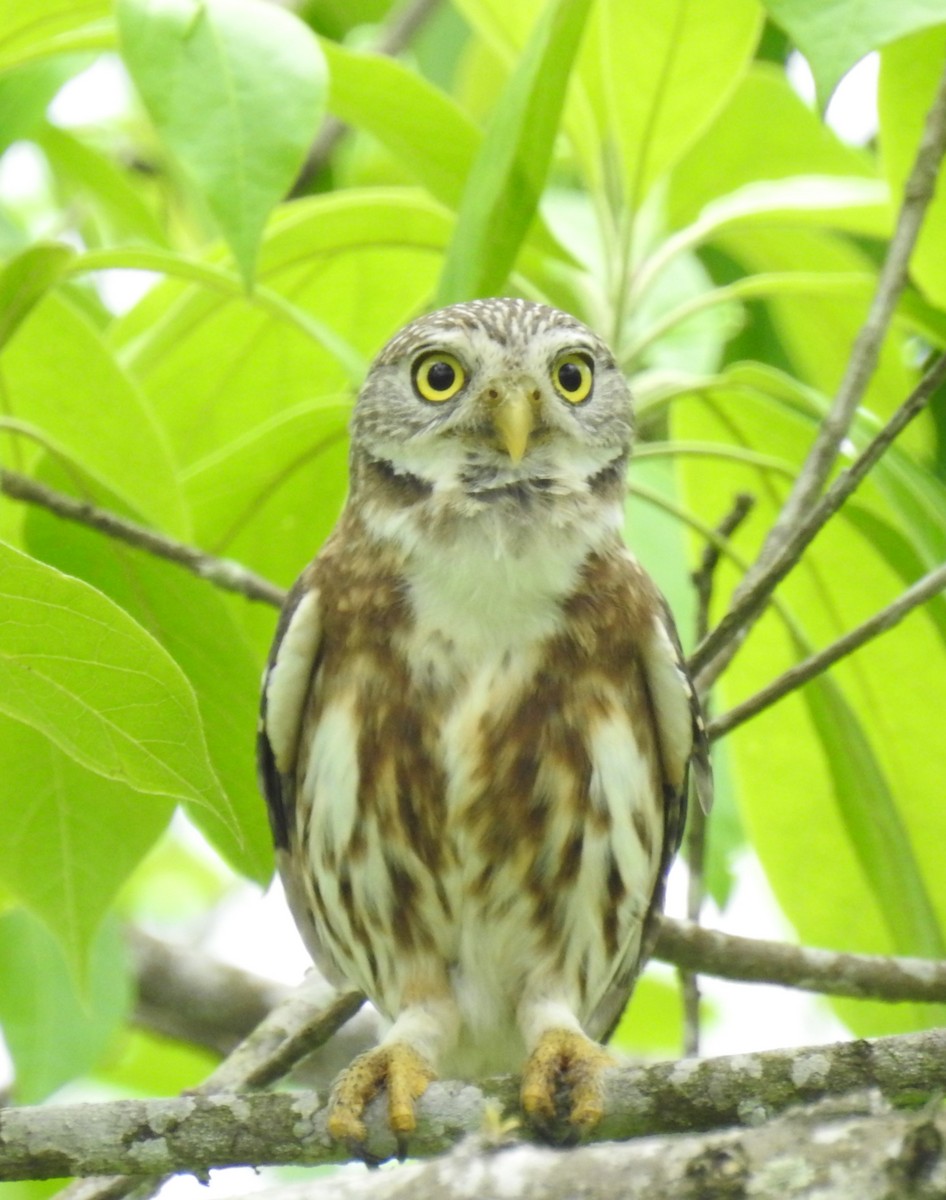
493,394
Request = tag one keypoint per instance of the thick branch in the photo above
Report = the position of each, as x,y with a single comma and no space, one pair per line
221,572
185,993
865,1150
921,591
712,654
205,1131
306,1019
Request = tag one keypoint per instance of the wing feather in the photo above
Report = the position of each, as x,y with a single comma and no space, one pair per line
286,683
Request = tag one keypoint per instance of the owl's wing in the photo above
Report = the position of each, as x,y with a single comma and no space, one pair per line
680,726
293,662
684,748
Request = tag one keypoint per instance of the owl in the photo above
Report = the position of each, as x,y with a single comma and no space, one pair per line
476,727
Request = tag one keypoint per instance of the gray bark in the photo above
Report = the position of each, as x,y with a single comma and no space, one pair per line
197,1132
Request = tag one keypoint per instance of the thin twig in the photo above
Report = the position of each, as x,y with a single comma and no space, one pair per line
917,194
779,545
921,591
395,36
695,844
715,651
829,972
222,572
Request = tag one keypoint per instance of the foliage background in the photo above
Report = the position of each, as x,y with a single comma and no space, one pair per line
645,166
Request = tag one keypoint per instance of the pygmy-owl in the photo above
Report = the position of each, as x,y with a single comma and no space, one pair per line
476,726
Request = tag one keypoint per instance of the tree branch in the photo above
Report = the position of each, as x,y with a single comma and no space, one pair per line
924,589
196,1133
917,194
859,1148
299,1025
186,994
830,972
782,546
222,572
716,650
223,1001
694,848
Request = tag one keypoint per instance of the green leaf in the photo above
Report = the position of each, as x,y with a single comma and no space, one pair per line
250,498
25,280
874,827
235,89
220,372
115,206
910,72
77,668
53,1032
421,126
655,75
82,405
69,838
503,189
194,624
739,148
25,93
835,34
34,29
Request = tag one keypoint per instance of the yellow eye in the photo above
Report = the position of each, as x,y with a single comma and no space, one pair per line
438,376
573,375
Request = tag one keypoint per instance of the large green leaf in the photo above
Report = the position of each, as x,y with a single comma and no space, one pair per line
834,34
194,624
910,73
739,148
235,89
75,667
422,127
504,185
283,481
655,75
81,404
53,1032
70,838
223,375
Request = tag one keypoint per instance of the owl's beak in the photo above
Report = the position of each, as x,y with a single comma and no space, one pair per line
514,420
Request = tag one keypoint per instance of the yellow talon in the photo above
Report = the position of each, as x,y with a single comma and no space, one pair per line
397,1067
563,1054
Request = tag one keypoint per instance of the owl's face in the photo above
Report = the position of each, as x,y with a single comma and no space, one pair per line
494,393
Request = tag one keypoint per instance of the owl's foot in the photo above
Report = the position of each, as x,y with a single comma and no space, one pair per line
398,1068
570,1059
